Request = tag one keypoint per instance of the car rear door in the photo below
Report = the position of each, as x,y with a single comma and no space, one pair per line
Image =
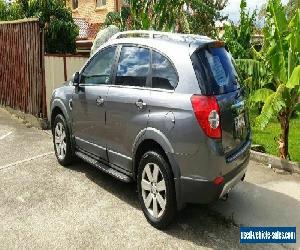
89,103
217,77
127,110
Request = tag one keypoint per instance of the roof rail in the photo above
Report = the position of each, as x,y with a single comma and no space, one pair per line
159,35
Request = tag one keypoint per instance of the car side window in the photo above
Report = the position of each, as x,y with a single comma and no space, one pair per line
99,69
133,67
164,75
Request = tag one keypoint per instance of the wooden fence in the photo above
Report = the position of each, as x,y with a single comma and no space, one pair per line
22,83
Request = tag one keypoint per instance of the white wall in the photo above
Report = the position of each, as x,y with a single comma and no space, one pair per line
55,75
74,64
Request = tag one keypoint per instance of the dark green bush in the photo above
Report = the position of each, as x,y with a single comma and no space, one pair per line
56,19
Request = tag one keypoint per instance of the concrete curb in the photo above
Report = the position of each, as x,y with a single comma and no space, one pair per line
275,162
28,120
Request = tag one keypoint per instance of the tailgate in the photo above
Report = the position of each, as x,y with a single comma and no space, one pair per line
234,122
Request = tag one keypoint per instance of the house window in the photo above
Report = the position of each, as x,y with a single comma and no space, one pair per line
100,3
74,4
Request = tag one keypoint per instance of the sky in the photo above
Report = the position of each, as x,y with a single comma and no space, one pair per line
233,7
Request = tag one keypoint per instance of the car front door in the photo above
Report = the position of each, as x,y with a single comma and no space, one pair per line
89,105
127,111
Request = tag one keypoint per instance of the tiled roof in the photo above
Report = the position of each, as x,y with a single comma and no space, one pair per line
87,30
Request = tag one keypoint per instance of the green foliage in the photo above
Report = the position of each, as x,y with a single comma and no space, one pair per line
3,10
120,19
269,136
60,30
253,74
277,66
205,13
238,37
294,81
145,15
186,16
259,96
292,7
280,58
274,102
10,11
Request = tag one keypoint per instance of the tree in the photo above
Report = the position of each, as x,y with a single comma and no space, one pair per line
196,16
262,11
9,11
238,37
59,27
292,7
204,15
281,57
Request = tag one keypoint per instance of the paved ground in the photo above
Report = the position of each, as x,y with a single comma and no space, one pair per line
43,205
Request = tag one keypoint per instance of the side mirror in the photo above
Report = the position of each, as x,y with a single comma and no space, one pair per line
76,79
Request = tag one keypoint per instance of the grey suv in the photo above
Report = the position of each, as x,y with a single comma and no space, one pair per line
164,110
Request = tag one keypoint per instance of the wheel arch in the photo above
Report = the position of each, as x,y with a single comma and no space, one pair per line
57,107
151,139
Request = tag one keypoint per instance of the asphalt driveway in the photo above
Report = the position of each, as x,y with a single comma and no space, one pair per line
43,205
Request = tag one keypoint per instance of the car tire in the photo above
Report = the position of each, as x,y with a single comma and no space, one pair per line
62,141
156,189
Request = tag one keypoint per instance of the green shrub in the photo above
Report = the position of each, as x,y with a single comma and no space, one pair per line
238,36
56,19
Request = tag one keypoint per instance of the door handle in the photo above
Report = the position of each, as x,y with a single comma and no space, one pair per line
71,104
99,101
140,104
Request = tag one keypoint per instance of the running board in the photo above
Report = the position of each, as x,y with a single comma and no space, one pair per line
106,169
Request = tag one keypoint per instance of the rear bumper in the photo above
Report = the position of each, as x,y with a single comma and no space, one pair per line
195,190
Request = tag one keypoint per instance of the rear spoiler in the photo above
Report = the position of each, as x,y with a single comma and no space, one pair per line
195,46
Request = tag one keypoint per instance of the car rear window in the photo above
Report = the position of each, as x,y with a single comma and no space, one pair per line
215,70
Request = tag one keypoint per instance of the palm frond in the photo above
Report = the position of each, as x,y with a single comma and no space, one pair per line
273,105
294,80
260,95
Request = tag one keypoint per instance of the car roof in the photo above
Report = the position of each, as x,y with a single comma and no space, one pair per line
163,41
177,47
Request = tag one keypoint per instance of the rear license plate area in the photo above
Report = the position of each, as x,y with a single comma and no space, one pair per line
240,125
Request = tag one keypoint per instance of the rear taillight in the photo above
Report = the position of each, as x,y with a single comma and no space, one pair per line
219,180
207,112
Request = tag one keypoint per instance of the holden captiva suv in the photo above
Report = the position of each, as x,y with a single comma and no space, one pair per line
160,109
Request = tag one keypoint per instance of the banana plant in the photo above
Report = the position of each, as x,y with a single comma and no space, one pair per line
184,16
238,37
281,57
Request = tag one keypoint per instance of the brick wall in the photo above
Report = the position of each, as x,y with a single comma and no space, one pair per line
87,9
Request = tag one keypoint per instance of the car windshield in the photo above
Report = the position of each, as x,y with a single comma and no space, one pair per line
216,71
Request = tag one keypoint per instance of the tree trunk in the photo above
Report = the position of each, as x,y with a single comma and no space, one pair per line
284,136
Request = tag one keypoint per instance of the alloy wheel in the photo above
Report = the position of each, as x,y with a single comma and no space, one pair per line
60,141
154,190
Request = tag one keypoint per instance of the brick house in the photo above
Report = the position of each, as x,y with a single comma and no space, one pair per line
93,10
90,15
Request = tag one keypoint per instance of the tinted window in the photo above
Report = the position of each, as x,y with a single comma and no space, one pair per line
99,69
215,71
164,75
133,67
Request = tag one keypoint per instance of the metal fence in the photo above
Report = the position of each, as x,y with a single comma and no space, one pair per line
22,83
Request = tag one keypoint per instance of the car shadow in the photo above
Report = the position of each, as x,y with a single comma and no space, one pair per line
124,191
216,224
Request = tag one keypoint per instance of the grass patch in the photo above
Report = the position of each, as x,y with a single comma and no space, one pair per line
266,137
